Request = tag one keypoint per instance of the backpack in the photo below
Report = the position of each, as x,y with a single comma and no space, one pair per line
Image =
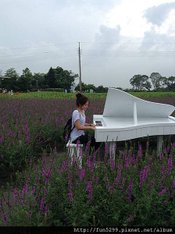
67,130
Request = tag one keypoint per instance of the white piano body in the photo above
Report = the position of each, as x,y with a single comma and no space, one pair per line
128,117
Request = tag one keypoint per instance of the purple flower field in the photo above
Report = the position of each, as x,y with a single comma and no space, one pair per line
135,189
28,125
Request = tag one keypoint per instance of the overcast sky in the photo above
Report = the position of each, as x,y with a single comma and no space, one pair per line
119,38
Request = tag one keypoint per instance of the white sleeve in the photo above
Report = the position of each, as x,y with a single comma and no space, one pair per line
75,116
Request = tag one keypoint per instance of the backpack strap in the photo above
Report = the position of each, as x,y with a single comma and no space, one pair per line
71,131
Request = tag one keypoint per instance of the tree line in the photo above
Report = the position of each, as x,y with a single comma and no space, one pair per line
55,79
61,80
155,82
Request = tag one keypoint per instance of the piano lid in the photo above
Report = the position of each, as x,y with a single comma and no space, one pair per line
120,104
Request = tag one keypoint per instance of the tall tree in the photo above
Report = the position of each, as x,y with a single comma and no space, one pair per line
60,78
10,79
156,80
145,82
51,79
140,82
25,80
170,82
64,78
83,87
39,81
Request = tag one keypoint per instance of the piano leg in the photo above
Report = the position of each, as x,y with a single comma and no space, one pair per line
112,149
159,144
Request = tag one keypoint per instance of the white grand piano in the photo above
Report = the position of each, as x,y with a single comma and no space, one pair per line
127,117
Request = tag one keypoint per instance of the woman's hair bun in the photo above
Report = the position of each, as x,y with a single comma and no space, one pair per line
81,99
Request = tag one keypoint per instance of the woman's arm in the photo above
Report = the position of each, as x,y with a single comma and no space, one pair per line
89,124
83,127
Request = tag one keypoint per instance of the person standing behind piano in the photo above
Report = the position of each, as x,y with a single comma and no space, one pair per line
79,125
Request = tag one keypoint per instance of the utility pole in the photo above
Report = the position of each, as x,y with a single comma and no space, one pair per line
79,56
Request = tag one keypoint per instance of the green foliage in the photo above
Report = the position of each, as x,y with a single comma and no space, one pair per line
99,194
157,94
156,82
140,82
43,138
9,80
55,78
88,87
23,216
71,202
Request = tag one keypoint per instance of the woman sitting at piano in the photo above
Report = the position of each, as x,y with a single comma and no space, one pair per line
79,124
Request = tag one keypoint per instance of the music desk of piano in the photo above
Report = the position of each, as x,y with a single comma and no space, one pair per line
127,117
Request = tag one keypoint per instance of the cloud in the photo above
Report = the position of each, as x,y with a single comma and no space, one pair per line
157,42
158,14
119,38
101,5
108,35
105,40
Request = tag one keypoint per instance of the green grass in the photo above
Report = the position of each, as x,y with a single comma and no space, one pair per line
50,95
62,95
153,94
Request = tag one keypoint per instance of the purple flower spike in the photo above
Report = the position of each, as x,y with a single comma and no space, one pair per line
143,175
130,189
89,189
112,164
82,173
170,164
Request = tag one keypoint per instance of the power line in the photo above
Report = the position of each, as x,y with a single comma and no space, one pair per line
93,52
123,42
